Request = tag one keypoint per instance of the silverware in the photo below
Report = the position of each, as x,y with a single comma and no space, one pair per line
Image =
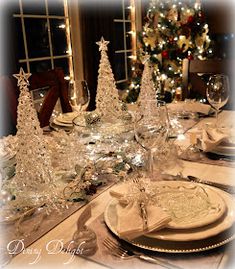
221,186
189,178
214,156
118,250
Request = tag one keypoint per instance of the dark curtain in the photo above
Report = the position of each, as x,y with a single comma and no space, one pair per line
97,20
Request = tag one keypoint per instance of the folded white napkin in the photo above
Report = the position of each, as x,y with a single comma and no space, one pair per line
211,138
194,107
130,223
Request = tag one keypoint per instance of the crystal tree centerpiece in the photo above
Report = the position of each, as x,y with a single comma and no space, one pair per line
147,89
107,99
110,116
32,184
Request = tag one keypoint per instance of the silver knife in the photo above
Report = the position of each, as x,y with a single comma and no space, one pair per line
224,187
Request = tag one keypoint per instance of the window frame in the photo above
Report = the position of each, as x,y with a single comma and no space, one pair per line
52,57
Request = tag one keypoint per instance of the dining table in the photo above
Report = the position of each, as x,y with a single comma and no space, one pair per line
50,249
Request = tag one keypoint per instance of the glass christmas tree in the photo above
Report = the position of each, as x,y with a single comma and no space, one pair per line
147,89
33,181
107,99
173,30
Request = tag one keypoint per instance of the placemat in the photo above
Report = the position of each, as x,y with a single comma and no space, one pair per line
209,259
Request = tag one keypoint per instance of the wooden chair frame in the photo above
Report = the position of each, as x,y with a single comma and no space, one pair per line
58,89
192,68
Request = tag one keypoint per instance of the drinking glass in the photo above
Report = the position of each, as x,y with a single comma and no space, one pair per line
79,95
151,130
217,92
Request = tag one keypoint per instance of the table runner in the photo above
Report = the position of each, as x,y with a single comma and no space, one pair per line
51,221
206,260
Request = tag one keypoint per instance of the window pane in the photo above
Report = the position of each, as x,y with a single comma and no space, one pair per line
56,7
24,66
119,66
129,64
128,36
119,35
58,36
34,7
64,64
127,9
19,38
37,37
116,8
40,66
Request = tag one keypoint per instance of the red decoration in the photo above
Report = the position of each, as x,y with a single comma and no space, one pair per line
201,16
165,54
190,57
190,19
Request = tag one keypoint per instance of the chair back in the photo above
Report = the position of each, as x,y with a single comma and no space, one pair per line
194,71
53,85
9,94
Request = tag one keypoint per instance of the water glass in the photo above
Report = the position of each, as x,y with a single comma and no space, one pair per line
151,130
217,92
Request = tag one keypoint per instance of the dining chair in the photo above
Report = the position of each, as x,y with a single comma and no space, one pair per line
49,83
195,74
53,85
9,94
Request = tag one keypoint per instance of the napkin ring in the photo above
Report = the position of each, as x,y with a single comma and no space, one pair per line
144,215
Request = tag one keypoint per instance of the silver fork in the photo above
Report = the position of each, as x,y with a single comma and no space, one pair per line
118,250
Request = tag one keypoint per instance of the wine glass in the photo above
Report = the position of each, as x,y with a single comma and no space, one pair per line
151,130
217,92
79,95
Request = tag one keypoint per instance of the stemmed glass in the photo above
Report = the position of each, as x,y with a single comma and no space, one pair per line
151,130
79,95
217,92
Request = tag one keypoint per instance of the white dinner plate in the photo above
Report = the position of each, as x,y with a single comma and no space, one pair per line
67,118
58,123
212,229
185,241
189,205
60,127
222,224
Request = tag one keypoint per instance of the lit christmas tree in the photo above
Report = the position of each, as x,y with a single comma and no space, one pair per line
107,98
174,30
